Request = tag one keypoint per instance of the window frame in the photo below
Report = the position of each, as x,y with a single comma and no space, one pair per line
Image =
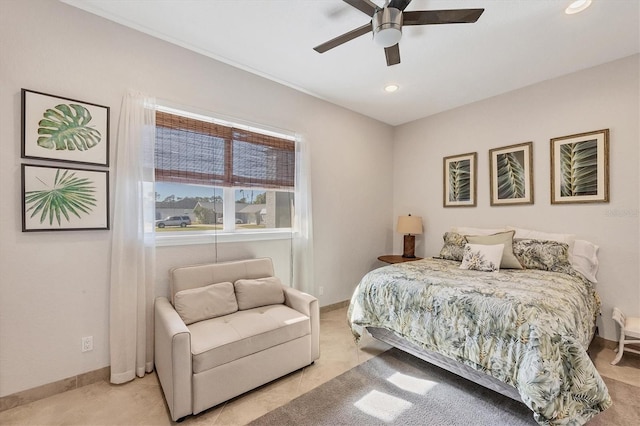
229,233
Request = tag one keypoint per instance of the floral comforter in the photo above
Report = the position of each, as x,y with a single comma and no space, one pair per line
528,328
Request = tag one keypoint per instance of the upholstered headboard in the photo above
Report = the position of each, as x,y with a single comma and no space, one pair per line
193,276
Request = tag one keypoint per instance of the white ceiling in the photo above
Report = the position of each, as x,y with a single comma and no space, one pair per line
515,43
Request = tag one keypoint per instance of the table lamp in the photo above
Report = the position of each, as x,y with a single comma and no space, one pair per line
410,226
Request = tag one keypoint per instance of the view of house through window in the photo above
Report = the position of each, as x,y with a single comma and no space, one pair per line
213,176
202,205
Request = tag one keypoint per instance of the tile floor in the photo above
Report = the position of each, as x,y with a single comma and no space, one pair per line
141,402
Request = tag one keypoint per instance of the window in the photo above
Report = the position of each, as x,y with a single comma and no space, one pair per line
222,176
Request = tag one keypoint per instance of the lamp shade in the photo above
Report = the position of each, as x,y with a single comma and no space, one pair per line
409,225
387,37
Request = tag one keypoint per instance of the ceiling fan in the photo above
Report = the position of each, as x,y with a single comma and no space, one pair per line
387,21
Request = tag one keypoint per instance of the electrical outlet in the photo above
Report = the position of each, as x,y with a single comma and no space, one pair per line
87,344
321,290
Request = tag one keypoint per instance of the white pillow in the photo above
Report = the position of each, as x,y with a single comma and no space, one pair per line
530,234
479,257
465,230
584,259
201,303
259,292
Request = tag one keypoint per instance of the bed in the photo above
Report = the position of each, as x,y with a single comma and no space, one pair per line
521,332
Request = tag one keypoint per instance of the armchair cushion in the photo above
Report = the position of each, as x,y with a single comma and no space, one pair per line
221,340
203,303
259,292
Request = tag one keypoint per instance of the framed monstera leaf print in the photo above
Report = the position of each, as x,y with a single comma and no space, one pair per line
459,180
511,174
580,168
62,129
64,199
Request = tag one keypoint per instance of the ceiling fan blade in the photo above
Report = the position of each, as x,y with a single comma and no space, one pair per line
392,54
343,38
399,4
431,17
365,6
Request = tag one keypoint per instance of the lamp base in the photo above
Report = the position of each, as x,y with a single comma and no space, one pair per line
409,246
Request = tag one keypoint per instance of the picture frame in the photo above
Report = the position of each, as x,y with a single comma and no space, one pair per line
64,199
64,129
511,174
580,168
459,180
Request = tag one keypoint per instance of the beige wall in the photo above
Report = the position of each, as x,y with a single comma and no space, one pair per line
54,286
606,96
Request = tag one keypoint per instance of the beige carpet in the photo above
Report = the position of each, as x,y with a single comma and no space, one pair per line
626,406
397,388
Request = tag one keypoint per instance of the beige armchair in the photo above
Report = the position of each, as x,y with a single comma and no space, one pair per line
228,328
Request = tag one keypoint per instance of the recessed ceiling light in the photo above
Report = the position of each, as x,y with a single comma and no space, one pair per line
390,88
577,6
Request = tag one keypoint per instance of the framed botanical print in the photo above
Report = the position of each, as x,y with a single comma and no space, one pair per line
62,129
511,174
580,168
459,180
64,199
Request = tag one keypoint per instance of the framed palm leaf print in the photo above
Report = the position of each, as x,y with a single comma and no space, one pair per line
64,199
459,180
580,168
511,174
62,129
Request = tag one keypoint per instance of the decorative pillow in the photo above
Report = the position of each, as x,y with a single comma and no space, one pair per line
584,259
259,292
509,261
465,230
529,234
198,304
480,257
453,247
543,255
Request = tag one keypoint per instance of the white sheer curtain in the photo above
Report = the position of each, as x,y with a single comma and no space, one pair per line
303,224
133,245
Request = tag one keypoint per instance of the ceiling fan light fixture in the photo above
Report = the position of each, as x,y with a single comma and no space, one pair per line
387,26
577,6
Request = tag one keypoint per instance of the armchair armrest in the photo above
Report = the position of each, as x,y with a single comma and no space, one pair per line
173,358
307,305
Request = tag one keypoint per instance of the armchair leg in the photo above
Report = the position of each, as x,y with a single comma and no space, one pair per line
619,349
618,358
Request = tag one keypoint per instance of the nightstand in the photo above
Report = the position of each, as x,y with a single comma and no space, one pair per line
392,258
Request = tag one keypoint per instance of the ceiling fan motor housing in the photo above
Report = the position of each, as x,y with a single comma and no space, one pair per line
387,26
